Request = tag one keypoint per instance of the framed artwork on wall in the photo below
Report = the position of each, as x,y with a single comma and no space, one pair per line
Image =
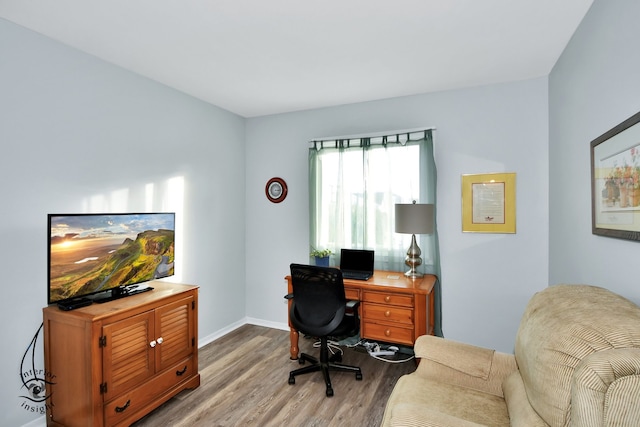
489,203
615,181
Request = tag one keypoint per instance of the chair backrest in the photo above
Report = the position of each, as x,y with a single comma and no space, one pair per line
319,301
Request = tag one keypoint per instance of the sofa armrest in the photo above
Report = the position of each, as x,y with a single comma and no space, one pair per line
605,388
462,364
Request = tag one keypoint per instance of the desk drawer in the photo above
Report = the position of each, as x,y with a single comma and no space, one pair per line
388,298
387,313
352,294
394,334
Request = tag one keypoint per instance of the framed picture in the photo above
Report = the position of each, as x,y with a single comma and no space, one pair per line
489,203
615,181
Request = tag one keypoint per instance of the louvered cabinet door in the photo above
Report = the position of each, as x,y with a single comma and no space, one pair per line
129,356
175,330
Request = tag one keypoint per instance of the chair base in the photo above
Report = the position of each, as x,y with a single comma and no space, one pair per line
324,364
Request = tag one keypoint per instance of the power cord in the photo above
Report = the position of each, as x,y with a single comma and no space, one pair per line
375,351
373,348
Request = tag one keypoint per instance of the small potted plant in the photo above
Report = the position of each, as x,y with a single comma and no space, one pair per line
321,256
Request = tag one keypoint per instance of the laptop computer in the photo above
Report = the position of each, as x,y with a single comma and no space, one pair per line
356,263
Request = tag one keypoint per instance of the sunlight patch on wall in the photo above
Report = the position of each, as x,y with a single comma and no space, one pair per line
167,196
148,197
119,200
173,201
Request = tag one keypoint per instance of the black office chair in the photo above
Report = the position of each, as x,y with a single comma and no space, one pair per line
319,309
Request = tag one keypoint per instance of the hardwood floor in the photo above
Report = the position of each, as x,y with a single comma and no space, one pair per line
244,383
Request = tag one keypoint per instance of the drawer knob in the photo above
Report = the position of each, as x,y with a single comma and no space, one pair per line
387,313
387,333
152,343
160,340
387,298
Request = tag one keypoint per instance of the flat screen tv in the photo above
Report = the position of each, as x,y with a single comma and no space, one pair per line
104,255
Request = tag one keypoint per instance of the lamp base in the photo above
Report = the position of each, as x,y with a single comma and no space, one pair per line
413,259
411,274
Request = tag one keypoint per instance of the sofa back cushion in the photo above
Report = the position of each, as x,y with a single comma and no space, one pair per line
562,325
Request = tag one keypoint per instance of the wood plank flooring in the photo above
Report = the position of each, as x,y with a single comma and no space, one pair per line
244,383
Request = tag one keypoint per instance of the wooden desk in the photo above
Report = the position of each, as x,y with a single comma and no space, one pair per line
393,308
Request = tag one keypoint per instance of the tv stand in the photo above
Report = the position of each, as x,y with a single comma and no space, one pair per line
114,363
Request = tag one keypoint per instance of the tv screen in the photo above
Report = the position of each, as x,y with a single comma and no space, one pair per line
94,253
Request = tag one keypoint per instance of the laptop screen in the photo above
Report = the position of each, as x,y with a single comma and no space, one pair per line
356,260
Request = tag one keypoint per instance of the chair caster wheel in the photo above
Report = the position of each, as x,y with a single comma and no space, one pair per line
329,392
359,376
292,379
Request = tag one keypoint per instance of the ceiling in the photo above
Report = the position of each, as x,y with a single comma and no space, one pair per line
261,57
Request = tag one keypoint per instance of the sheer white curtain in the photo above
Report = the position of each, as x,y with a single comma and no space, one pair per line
354,185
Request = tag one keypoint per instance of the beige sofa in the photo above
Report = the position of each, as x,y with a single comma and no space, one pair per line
576,363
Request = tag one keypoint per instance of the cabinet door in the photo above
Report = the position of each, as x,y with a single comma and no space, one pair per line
175,332
128,354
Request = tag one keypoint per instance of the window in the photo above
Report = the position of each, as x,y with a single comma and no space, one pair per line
354,186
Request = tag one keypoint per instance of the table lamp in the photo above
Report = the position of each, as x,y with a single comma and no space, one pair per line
414,219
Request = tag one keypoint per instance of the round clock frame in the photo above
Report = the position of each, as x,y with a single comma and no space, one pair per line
276,190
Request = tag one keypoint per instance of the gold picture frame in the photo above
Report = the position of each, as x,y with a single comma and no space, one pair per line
489,203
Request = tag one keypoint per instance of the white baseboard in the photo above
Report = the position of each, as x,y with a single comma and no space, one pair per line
268,324
247,320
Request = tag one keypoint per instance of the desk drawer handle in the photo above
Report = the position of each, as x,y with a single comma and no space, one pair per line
387,313
180,373
387,298
122,408
387,333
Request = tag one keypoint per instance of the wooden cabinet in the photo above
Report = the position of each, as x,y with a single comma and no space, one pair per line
393,308
115,362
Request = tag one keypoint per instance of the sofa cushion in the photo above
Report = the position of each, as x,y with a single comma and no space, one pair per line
412,415
521,413
560,327
419,402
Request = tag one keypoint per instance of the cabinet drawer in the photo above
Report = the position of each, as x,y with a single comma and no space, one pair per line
394,334
388,298
126,405
387,313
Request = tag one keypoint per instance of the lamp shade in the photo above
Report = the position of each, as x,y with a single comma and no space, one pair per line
414,218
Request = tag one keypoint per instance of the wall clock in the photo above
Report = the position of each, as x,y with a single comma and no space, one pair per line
276,190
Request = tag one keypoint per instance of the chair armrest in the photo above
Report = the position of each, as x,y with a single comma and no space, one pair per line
463,364
605,388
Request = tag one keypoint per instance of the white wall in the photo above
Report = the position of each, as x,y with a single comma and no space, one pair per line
486,278
593,87
80,135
